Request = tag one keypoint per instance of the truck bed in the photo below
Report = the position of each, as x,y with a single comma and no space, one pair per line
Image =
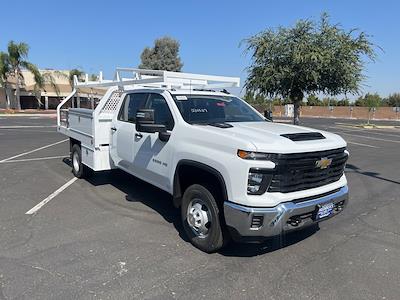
94,137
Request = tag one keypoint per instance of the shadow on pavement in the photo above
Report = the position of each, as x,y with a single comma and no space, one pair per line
357,170
270,245
137,190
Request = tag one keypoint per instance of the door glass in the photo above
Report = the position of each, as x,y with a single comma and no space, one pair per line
162,114
132,103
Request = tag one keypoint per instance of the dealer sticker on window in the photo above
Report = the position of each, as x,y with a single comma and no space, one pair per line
181,98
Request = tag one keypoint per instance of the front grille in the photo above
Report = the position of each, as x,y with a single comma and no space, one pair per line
299,171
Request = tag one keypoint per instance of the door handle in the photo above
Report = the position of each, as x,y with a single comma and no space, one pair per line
138,135
113,129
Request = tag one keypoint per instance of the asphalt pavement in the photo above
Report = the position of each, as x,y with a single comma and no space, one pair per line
115,237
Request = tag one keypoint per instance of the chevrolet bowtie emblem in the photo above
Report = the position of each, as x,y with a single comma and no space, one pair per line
323,163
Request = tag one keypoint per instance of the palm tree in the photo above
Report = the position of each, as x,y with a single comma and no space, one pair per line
4,73
43,79
12,63
93,77
17,55
71,75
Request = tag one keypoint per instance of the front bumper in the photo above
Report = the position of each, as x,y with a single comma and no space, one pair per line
258,222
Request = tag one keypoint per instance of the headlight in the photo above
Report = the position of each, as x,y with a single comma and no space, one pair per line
258,181
254,155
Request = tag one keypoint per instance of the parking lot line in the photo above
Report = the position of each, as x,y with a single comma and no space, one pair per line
366,137
369,131
31,151
34,159
51,196
364,145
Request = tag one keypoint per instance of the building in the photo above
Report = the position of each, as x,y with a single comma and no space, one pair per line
47,97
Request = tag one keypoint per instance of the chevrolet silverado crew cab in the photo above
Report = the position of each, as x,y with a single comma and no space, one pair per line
233,173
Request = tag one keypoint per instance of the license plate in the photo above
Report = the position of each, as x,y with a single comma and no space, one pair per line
325,211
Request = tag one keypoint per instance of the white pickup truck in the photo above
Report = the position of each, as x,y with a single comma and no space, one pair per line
233,173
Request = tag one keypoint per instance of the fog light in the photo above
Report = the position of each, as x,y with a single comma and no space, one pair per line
257,221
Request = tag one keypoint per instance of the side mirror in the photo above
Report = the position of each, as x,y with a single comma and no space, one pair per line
164,136
268,115
145,122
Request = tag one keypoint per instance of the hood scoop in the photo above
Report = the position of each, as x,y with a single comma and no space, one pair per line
220,125
305,136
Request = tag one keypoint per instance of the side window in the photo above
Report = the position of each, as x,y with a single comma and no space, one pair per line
162,114
132,103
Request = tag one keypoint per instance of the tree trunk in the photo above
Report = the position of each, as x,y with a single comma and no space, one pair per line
7,91
369,116
296,115
296,96
17,90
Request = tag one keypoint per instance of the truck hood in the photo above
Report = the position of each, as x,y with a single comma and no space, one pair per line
267,137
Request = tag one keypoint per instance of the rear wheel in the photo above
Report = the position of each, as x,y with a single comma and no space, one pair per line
201,219
78,169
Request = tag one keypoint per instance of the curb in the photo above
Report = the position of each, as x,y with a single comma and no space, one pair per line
371,126
28,115
377,126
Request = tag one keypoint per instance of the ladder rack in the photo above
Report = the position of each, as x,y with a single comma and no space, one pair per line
161,79
138,78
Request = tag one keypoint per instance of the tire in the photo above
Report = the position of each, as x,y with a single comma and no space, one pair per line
78,169
202,219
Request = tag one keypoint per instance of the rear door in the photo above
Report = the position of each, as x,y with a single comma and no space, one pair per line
124,132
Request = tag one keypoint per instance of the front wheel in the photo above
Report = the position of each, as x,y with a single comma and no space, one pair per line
201,219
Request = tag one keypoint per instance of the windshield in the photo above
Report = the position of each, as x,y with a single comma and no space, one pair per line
200,109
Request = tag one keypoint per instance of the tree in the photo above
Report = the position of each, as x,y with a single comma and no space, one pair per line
72,73
258,100
329,101
4,74
343,102
313,100
11,66
17,58
372,101
93,77
163,56
393,100
360,101
307,58
43,79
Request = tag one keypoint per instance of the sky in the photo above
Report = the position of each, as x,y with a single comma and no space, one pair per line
102,35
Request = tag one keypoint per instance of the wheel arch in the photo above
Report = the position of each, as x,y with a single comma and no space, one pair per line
189,172
73,142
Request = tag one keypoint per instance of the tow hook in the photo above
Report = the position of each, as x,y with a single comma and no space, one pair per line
339,206
294,221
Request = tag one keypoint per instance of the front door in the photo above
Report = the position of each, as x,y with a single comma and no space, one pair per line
124,133
153,156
